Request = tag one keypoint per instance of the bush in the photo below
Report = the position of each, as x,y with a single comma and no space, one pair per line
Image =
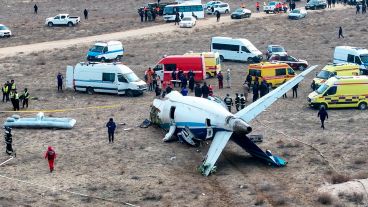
325,198
355,197
260,200
339,178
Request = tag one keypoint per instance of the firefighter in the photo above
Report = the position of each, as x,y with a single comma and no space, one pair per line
50,155
25,96
237,101
229,102
242,101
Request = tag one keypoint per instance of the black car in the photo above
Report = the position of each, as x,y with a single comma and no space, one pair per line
316,4
241,13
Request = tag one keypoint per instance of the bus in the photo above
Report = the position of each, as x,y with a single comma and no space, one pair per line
188,9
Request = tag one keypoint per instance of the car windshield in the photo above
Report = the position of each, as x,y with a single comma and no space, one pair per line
364,58
272,3
239,10
3,28
324,74
168,10
278,49
322,88
131,77
296,11
187,19
97,48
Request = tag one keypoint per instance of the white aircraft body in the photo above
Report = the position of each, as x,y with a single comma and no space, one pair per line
196,119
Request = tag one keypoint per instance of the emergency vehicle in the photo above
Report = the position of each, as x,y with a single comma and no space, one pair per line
211,61
341,92
168,64
275,74
332,70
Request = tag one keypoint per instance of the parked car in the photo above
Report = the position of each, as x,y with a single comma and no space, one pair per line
106,51
211,3
62,19
275,49
297,14
188,22
294,63
241,13
223,8
316,4
4,31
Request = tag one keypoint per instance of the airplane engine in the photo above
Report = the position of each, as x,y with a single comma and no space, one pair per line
239,126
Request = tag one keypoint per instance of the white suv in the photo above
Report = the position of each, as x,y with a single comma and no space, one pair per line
4,31
222,8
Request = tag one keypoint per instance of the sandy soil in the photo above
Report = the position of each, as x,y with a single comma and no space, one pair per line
140,169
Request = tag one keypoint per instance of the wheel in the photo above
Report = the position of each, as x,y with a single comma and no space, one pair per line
208,75
323,105
222,58
90,90
103,59
363,106
118,58
267,12
129,93
250,60
301,68
70,24
50,24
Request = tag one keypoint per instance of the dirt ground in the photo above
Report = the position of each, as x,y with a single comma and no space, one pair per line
138,168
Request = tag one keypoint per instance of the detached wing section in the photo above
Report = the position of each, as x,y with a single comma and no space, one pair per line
218,144
257,107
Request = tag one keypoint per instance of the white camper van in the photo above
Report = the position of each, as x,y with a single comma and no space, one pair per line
104,78
235,49
348,54
103,51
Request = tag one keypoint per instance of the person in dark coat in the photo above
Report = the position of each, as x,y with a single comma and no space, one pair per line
205,90
220,79
229,102
237,101
357,9
184,81
177,18
249,80
141,14
313,85
85,12
168,89
35,8
255,91
242,101
60,78
191,83
198,90
182,15
111,126
323,115
218,15
295,91
263,88
173,77
145,14
158,91
340,33
191,74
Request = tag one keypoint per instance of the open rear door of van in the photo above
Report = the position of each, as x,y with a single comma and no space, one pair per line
69,77
204,68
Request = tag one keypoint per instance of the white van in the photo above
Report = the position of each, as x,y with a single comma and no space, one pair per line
235,49
348,54
103,51
104,78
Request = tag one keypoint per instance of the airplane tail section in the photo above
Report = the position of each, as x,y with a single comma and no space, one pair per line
255,151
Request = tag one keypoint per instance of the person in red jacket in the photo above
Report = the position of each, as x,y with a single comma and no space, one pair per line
257,6
50,155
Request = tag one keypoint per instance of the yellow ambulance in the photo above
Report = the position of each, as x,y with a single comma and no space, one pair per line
331,70
341,92
211,61
274,73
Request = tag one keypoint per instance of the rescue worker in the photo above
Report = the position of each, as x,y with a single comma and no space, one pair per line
35,8
255,91
184,81
150,79
263,88
313,85
16,101
249,80
218,15
246,90
295,91
198,90
323,115
111,126
59,79
50,155
158,91
25,96
191,83
141,14
205,90
173,77
340,33
242,101
5,90
145,14
220,79
237,101
191,74
257,6
8,141
12,98
229,102
228,78
184,91
85,12
12,85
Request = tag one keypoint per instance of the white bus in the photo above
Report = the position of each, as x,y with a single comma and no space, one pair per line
188,9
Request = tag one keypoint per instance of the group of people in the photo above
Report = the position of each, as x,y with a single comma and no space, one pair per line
152,79
147,14
10,93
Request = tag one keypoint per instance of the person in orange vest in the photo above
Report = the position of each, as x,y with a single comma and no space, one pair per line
50,155
257,6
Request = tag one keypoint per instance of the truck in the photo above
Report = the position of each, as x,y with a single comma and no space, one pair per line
105,51
113,78
211,60
62,19
168,64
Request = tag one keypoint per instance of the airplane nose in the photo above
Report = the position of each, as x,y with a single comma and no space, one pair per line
240,126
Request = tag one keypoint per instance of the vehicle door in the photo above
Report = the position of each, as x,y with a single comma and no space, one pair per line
280,76
351,58
57,20
244,53
357,60
108,85
330,97
290,73
105,53
292,62
122,84
63,19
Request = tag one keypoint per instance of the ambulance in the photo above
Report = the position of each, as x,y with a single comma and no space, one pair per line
274,73
336,69
211,62
341,92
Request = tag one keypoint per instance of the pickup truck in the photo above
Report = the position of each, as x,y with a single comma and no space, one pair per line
62,19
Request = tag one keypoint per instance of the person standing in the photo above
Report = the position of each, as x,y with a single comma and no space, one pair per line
263,88
246,90
111,126
249,80
257,6
184,81
229,102
242,101
35,8
323,115
12,98
177,18
220,79
16,100
50,155
295,91
340,33
205,90
158,91
364,8
85,12
313,85
197,90
173,77
25,96
255,91
218,15
145,14
191,83
210,89
150,79
141,14
12,85
237,101
228,78
5,90
60,79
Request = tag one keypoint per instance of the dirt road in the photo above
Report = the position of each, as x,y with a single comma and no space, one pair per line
154,30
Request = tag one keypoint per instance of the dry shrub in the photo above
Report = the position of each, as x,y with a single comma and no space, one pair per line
278,200
355,197
41,61
339,178
293,145
260,200
325,198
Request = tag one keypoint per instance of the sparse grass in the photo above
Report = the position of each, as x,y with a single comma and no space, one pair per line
260,200
339,178
265,186
325,198
355,197
360,161
360,175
